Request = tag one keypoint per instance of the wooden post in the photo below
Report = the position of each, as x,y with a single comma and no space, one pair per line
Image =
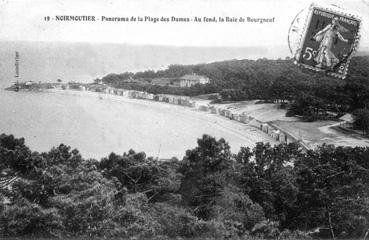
366,234
330,226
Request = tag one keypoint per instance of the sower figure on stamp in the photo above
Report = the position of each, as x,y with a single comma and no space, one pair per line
325,57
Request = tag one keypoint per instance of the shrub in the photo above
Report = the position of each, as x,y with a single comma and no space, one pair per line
26,218
292,235
266,229
237,211
176,221
134,216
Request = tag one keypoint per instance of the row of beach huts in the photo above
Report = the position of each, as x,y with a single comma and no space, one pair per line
268,128
178,100
273,131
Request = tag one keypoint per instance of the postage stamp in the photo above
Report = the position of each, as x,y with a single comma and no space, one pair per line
328,41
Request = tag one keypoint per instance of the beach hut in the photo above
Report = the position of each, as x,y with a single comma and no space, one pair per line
166,99
227,113
138,94
203,108
175,100
191,103
231,115
347,120
270,131
275,134
170,99
182,101
289,139
186,102
132,94
213,109
238,117
243,118
282,137
235,117
264,127
150,96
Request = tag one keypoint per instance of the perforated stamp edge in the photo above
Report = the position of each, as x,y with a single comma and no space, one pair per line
303,36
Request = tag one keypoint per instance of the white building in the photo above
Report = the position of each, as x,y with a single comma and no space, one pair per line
190,80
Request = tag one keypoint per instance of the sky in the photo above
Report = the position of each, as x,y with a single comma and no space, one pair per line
23,20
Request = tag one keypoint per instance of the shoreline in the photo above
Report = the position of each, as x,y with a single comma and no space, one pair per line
98,124
235,122
267,119
200,114
250,134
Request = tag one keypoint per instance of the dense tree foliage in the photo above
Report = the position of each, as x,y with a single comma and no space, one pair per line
268,191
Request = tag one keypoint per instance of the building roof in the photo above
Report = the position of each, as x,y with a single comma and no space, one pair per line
161,81
29,83
347,118
192,77
6,182
6,189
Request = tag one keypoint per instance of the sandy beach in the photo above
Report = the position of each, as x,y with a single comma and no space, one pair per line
313,134
98,124
234,132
